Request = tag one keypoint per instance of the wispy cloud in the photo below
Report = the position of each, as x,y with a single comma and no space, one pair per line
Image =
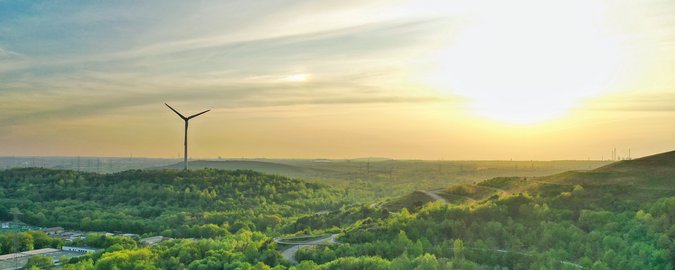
228,70
4,53
651,102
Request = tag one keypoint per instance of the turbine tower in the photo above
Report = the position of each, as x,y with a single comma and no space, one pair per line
186,119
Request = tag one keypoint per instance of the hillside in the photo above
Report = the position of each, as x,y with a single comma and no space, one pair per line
615,217
652,172
636,181
175,203
633,181
659,162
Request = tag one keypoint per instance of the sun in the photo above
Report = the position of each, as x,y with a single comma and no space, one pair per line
529,63
297,77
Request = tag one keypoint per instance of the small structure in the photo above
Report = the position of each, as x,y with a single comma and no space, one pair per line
153,240
78,249
53,231
19,259
72,236
4,225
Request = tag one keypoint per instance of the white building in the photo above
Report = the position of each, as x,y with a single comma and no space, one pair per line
78,249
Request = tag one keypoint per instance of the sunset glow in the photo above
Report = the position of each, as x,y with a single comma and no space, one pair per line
297,77
520,66
426,79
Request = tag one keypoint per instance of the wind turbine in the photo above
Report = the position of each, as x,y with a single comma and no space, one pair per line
186,119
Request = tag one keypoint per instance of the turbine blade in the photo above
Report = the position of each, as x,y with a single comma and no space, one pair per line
195,115
174,110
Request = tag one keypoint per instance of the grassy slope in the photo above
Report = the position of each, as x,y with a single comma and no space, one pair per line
643,179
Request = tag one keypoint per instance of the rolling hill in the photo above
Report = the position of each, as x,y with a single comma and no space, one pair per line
640,180
618,216
635,181
152,201
259,166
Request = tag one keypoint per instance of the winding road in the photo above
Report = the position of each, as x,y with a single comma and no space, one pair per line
297,243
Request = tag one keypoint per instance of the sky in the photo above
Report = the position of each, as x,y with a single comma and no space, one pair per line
423,79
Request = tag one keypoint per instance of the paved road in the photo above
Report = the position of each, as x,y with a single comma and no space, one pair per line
289,254
434,196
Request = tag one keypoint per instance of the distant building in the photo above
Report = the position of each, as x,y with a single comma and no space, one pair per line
132,235
53,231
18,260
4,225
154,240
72,236
79,249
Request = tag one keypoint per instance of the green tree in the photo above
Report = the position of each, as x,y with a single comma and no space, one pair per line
458,251
42,262
427,262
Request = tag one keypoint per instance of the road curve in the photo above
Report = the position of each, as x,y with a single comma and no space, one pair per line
289,254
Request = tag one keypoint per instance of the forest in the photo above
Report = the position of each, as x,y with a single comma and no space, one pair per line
202,203
615,217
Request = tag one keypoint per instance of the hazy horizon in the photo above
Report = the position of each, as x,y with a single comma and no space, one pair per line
373,159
